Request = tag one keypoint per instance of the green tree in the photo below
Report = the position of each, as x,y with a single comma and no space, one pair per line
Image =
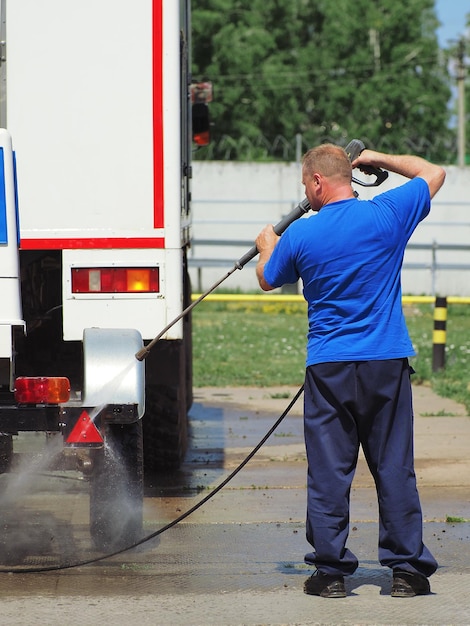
250,51
328,71
395,88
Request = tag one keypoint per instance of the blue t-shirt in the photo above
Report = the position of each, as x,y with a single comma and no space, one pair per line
349,257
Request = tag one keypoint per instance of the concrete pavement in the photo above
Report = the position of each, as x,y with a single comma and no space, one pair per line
238,560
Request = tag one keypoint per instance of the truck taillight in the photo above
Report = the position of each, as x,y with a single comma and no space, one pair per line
115,280
42,390
202,139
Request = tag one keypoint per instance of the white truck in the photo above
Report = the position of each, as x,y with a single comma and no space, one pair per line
95,224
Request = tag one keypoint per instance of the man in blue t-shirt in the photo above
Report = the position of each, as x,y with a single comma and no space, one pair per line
357,384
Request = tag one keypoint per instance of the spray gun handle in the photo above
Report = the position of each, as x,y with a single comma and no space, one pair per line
353,150
302,208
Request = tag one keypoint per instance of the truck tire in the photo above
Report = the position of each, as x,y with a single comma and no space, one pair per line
169,396
116,489
165,427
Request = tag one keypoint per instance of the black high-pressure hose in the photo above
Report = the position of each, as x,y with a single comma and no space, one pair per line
302,208
353,150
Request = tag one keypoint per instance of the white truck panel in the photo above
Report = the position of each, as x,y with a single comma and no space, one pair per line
94,104
79,106
6,351
10,312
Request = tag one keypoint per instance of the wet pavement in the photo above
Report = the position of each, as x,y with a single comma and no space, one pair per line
239,558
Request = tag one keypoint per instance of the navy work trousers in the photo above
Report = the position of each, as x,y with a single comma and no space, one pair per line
367,403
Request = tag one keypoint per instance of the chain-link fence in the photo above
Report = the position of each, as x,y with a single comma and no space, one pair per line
280,148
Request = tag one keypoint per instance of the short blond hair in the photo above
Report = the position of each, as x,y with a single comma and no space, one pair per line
328,160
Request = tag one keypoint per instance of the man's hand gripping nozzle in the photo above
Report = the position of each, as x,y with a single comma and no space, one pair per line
353,150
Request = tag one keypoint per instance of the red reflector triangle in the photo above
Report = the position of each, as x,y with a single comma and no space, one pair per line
84,431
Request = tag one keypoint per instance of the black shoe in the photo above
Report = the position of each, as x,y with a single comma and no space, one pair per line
407,584
325,585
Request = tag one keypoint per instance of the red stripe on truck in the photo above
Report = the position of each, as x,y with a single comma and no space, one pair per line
157,44
93,243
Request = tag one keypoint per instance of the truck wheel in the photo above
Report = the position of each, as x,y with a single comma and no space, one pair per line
6,452
169,395
116,489
165,427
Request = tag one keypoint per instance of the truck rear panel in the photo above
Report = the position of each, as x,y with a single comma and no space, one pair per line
93,104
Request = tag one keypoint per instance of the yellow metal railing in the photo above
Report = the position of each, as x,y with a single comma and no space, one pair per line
247,297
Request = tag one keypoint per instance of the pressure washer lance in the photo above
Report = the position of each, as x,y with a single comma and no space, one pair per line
353,150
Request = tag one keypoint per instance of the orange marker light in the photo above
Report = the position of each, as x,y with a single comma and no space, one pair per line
42,390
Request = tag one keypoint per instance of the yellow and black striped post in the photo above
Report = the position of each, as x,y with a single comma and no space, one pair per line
439,334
